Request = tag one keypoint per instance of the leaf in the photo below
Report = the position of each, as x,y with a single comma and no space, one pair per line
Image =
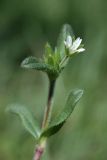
66,30
33,63
57,57
60,119
48,49
27,118
50,56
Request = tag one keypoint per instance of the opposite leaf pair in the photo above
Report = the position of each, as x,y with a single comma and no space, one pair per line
31,124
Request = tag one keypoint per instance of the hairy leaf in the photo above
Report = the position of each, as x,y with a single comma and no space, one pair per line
33,63
66,30
27,118
60,119
48,49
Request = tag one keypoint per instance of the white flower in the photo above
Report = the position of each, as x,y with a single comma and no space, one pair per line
73,46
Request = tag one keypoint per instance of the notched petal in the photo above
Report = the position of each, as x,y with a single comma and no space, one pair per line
76,43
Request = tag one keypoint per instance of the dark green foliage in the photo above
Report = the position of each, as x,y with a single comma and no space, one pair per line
34,63
60,119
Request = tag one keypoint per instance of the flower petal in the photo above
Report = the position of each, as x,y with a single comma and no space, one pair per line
76,43
68,42
81,50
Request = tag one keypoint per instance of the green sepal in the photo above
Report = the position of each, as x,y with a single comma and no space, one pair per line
48,56
51,57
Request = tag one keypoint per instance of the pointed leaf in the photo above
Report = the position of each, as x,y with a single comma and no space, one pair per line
33,63
27,118
60,119
49,55
48,49
66,30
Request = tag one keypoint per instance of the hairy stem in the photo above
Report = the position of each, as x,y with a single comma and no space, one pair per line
47,116
38,153
48,109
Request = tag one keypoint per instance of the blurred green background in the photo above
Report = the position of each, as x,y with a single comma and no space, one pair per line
25,26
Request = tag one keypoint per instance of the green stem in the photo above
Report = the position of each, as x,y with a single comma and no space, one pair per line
48,109
47,116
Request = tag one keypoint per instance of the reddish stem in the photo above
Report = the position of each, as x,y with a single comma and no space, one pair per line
38,153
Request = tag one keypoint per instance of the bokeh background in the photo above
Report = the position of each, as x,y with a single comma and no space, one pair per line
25,27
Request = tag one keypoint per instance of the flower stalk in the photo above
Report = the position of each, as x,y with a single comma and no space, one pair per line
64,61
